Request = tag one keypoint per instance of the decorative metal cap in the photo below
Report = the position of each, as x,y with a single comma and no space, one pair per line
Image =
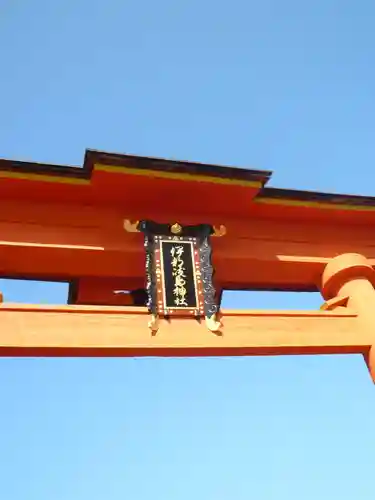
176,228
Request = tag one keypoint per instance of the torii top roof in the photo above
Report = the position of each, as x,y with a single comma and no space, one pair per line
144,187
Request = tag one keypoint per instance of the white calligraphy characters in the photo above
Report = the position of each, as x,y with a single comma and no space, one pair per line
178,273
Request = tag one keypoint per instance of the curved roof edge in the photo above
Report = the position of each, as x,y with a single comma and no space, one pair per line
299,197
124,161
93,157
267,195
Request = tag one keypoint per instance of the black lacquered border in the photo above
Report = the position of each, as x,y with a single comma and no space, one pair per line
207,272
151,278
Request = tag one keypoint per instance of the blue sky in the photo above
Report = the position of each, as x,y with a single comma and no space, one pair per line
286,86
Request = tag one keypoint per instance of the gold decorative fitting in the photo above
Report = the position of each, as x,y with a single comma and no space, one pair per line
153,324
176,228
213,324
220,231
131,227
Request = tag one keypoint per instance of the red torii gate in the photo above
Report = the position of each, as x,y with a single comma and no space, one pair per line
66,223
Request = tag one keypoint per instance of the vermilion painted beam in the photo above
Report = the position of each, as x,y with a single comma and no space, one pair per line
44,240
122,331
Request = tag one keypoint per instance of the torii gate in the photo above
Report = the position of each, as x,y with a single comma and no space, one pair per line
67,224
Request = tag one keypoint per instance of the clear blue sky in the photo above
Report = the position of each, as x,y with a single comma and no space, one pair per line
281,85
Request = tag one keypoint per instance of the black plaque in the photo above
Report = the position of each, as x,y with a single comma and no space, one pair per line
170,292
178,268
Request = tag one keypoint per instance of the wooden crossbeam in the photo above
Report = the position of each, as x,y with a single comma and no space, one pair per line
27,330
